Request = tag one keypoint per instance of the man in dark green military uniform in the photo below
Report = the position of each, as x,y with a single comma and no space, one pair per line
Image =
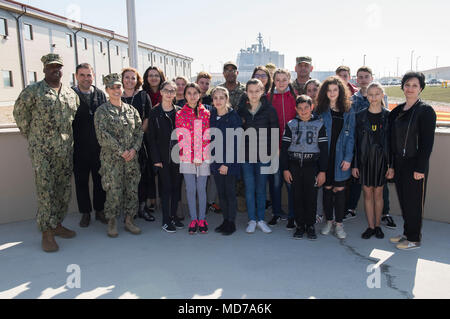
235,88
118,127
44,112
303,67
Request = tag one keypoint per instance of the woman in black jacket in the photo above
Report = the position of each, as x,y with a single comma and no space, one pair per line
161,126
413,125
373,162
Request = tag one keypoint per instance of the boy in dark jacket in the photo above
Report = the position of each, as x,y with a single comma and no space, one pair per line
304,161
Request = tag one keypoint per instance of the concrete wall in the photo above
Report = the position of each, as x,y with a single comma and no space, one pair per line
18,198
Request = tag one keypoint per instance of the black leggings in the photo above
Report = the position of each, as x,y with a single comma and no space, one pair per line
169,178
226,189
334,201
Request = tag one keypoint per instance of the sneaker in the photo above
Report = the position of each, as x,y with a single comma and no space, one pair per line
291,224
214,208
221,227
339,231
327,229
251,227
379,233
311,233
203,227
388,222
193,227
299,232
150,209
368,233
319,219
283,216
349,214
274,220
170,228
263,226
229,229
145,214
178,225
398,239
408,245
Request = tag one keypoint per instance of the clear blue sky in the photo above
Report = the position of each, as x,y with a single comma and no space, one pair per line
330,31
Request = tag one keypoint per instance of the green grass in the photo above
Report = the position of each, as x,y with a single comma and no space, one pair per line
432,93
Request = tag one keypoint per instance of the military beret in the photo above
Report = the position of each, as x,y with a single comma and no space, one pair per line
111,79
304,59
52,58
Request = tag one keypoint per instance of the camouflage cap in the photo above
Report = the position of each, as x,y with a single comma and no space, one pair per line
230,63
52,58
304,59
111,79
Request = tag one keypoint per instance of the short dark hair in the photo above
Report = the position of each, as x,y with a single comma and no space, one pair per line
365,69
418,75
342,68
84,66
303,99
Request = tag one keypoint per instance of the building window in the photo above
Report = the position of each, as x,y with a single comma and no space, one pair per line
85,43
149,57
100,46
7,79
154,58
69,40
117,50
28,31
3,27
32,77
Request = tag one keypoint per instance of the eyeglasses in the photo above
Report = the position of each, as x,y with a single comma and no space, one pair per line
260,76
169,91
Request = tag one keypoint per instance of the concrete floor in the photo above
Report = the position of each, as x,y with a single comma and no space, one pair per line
161,265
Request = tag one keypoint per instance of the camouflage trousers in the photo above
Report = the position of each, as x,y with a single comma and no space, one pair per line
120,182
53,177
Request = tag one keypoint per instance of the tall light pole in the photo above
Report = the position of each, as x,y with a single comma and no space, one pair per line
132,34
412,52
398,59
417,63
364,60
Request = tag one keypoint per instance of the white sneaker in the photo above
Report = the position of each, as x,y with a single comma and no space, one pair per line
263,226
251,227
340,233
328,226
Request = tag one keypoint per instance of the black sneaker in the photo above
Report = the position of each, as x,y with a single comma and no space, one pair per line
274,220
291,224
379,233
146,215
368,233
177,224
150,209
229,229
299,232
388,222
214,208
222,227
349,214
311,233
170,228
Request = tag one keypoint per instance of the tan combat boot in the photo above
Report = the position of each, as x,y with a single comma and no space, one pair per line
49,244
112,228
129,226
63,232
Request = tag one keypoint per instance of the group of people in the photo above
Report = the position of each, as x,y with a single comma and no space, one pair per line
331,141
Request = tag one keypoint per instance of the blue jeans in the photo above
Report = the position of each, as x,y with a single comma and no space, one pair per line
255,190
277,180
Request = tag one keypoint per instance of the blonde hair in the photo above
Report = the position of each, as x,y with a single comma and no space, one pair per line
379,86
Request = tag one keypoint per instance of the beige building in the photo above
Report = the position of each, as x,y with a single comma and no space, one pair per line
28,33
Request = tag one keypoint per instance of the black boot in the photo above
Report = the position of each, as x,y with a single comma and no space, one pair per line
85,220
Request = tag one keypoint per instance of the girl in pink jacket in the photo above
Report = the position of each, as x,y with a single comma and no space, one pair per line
192,123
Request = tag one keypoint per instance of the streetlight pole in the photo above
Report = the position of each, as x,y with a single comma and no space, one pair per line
132,34
364,60
398,59
412,52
